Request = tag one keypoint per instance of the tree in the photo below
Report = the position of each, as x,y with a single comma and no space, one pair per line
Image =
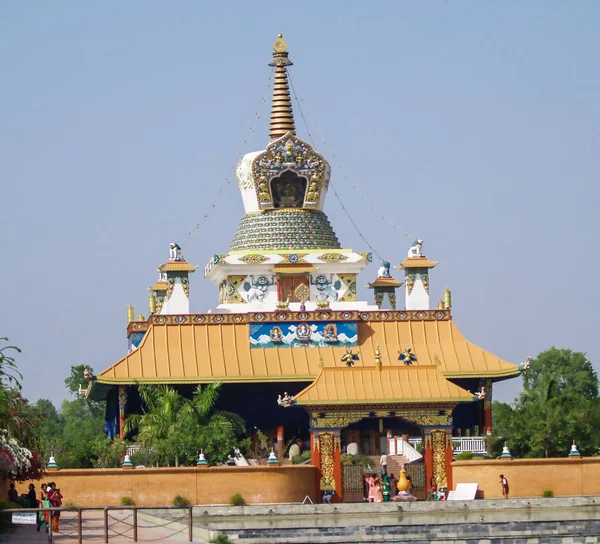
559,403
8,366
173,428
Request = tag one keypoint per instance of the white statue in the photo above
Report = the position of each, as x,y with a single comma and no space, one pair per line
384,270
415,249
174,252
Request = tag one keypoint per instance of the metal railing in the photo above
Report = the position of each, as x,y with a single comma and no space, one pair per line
104,521
475,444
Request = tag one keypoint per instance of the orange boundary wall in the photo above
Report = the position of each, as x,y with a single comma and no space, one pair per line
158,486
530,477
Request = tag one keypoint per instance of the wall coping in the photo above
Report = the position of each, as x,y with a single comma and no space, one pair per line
534,461
175,470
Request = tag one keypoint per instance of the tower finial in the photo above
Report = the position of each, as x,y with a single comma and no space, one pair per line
282,116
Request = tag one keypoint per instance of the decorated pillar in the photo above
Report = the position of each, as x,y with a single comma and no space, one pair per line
438,456
280,440
326,455
122,404
487,407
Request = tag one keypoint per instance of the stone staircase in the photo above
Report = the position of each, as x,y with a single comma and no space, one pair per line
394,463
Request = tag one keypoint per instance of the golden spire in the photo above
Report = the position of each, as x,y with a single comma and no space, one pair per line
151,301
282,117
447,298
377,356
130,314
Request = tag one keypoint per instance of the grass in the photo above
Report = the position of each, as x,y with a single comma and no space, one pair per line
127,501
547,493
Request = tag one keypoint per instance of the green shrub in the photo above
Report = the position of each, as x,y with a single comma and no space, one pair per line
180,500
465,456
127,501
304,456
5,504
237,500
69,504
366,461
220,539
547,493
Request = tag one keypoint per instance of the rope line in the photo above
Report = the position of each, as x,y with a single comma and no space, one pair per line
227,181
330,152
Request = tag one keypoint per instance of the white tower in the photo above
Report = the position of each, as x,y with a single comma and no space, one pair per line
416,271
174,297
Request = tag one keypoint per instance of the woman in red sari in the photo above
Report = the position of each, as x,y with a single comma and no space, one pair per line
55,497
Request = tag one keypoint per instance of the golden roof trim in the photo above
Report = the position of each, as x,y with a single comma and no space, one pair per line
384,282
293,268
205,379
417,262
177,266
159,286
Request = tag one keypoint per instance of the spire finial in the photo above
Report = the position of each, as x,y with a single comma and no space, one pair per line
282,117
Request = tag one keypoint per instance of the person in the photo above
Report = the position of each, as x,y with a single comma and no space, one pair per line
55,497
13,494
371,484
411,488
365,489
32,497
385,488
432,489
43,517
393,485
383,462
504,484
377,493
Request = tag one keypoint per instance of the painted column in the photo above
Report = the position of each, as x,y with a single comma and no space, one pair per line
122,404
487,407
438,456
326,455
280,439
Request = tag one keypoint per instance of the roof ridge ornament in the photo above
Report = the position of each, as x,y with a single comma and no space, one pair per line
282,116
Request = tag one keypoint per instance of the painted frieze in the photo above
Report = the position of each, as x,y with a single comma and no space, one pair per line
303,334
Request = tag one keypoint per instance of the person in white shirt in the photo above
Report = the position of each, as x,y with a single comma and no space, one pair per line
383,463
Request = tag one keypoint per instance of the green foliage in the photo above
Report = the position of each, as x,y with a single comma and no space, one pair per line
127,501
464,456
237,500
302,458
9,375
547,493
559,403
173,428
220,539
108,453
180,500
5,504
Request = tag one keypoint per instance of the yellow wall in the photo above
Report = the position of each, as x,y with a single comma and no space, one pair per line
158,486
530,477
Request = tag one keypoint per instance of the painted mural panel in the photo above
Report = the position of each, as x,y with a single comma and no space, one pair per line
302,334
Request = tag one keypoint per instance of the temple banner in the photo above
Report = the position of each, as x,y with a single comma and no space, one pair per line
302,334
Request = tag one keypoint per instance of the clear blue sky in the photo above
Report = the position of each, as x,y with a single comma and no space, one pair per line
473,125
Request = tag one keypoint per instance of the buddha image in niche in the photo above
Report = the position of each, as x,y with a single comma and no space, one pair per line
288,190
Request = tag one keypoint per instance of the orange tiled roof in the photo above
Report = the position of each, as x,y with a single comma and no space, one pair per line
407,384
205,352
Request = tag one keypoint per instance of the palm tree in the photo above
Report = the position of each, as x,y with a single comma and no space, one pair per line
8,367
175,427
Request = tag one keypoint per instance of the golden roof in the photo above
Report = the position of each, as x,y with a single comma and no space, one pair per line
159,286
417,262
384,282
367,385
200,349
177,266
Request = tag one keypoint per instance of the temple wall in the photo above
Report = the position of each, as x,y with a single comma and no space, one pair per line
530,477
158,486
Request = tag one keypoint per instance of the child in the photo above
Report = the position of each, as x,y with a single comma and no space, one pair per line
504,483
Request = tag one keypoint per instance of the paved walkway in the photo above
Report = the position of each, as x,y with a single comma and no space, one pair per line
150,529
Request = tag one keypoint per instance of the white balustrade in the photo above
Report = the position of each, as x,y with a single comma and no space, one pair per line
397,446
474,444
